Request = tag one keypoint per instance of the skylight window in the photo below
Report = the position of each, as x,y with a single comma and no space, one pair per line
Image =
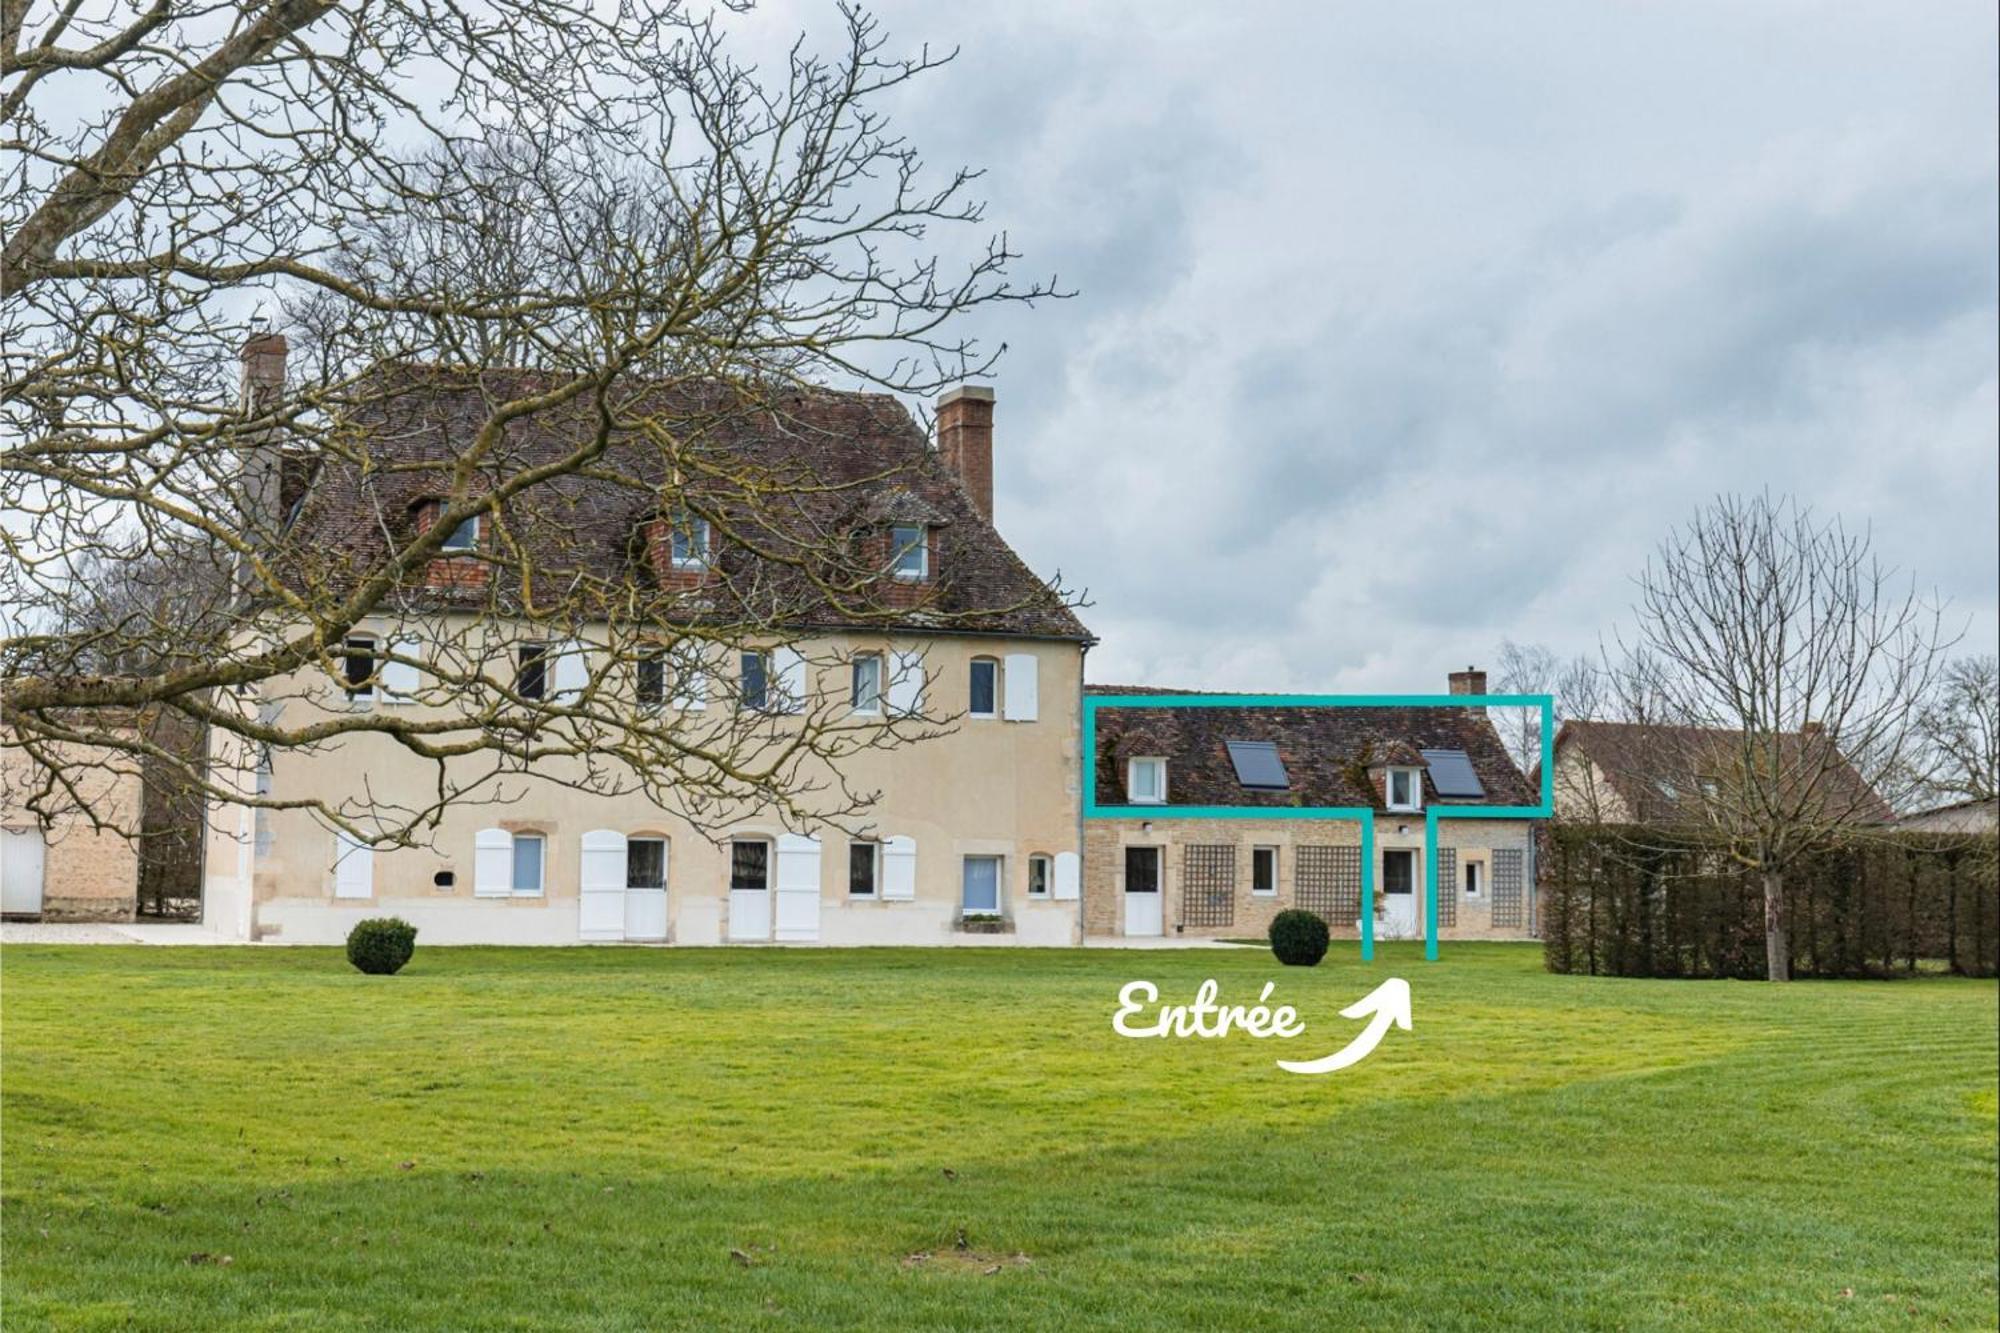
1258,766
1451,773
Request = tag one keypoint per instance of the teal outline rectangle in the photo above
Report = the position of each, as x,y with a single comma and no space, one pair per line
1364,817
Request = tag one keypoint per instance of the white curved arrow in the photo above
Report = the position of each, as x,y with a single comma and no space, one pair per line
1388,1003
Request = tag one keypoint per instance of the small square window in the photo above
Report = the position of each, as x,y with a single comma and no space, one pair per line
868,683
985,688
357,666
690,542
756,681
528,849
1039,871
1405,788
1146,781
910,552
1264,871
863,863
531,677
464,537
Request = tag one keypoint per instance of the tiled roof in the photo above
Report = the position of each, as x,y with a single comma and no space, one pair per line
1327,751
1637,758
795,472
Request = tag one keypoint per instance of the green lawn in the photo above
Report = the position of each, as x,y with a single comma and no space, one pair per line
615,1138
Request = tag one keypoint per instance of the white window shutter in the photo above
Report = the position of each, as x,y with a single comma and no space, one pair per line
601,894
493,863
1023,687
798,888
789,686
353,867
1068,877
899,869
572,673
906,682
691,691
401,680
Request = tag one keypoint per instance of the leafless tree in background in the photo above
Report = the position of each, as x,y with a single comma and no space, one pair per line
1782,669
606,196
1576,685
1960,731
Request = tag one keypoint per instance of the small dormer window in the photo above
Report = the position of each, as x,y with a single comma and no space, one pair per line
1146,781
1406,789
910,552
464,537
690,549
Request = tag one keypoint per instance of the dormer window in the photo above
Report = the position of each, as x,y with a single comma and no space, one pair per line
690,541
1406,789
1146,781
464,537
910,552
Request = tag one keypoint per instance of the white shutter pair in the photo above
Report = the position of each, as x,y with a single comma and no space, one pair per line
788,684
601,900
353,867
493,863
1068,877
797,915
1023,687
906,682
899,869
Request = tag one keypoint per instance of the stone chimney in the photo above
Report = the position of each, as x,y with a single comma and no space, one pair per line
260,462
1469,681
965,438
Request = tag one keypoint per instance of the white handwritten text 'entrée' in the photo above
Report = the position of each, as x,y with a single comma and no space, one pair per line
1203,1018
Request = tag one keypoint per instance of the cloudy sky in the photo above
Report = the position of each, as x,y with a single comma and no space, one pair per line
1403,329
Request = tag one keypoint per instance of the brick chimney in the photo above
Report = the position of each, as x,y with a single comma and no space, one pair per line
965,438
260,461
1469,681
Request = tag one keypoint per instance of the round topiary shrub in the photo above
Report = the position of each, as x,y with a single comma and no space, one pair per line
1298,938
381,945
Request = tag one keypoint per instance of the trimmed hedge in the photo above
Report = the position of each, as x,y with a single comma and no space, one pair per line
1298,938
381,945
1631,903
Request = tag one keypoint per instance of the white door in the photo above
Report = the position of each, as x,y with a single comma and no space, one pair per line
1144,913
646,889
21,871
601,891
750,890
1399,895
798,887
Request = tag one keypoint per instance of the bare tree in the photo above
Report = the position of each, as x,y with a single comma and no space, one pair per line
1779,669
1576,685
615,250
1960,730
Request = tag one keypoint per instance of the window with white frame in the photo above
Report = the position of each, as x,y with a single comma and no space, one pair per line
357,667
530,856
1475,876
867,693
651,686
1264,871
754,682
645,863
1406,789
689,541
531,670
864,868
1146,781
464,537
910,552
985,701
1041,872
982,886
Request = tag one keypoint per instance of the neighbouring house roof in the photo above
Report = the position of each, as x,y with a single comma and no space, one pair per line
1657,771
1326,751
1972,816
826,465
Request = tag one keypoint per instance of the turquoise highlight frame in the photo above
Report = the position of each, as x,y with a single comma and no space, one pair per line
1092,703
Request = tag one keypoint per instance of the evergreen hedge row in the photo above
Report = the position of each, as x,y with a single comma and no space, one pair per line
1634,902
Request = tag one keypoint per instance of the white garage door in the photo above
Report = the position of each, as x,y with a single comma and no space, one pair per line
21,871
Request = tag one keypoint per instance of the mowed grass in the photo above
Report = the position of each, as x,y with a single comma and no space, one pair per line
610,1138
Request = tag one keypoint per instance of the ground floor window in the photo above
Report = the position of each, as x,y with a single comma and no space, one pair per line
749,865
1039,872
645,863
530,852
1399,872
1264,871
864,861
1473,872
982,885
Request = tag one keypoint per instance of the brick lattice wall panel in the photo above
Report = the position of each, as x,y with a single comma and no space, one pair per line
1448,889
1208,884
1508,882
1329,883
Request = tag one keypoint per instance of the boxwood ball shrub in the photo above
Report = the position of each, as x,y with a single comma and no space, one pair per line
381,945
1298,938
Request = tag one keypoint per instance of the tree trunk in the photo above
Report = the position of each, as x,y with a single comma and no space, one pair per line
1777,947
